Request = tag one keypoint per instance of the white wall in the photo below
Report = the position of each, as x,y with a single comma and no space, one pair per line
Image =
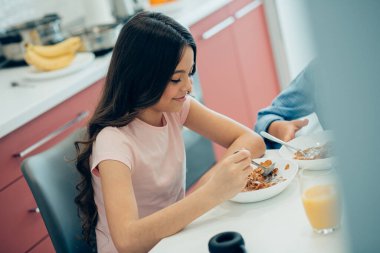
71,11
290,35
18,11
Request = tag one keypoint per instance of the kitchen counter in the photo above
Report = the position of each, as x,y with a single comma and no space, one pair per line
19,105
23,103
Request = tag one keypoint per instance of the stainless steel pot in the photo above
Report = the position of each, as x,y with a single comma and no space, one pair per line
124,9
49,29
99,37
12,47
44,31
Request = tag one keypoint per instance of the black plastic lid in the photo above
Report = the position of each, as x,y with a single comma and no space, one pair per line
13,37
26,25
36,22
49,18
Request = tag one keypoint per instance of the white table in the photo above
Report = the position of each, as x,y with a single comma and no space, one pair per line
276,225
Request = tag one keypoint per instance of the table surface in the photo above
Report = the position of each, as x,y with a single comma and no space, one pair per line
276,225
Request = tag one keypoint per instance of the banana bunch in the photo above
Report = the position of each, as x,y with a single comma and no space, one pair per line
52,57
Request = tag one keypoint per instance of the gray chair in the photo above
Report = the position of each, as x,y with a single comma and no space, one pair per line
52,177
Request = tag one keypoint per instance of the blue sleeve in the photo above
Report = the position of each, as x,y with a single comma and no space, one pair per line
294,102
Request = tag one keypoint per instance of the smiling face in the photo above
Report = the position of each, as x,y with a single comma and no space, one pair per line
179,86
175,92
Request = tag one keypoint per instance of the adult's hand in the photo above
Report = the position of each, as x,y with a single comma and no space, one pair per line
286,130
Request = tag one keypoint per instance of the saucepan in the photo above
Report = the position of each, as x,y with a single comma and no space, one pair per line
43,31
99,38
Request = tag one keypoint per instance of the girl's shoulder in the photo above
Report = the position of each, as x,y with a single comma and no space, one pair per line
113,138
110,132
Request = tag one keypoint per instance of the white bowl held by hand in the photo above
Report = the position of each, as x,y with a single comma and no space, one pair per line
308,141
285,172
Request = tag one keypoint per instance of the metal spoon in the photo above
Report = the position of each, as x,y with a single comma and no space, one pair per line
267,170
310,153
275,139
20,84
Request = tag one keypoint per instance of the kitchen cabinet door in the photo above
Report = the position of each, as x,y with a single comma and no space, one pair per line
23,228
254,54
45,246
21,225
218,68
51,127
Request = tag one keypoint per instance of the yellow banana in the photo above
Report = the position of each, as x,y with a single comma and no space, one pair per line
70,45
48,64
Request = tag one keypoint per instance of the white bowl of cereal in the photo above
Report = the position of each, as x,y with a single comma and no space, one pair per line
259,188
322,142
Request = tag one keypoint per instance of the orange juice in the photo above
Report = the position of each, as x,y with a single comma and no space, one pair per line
154,2
322,206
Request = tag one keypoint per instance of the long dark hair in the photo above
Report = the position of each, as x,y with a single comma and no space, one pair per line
147,51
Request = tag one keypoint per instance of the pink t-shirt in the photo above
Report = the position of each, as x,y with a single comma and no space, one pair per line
157,159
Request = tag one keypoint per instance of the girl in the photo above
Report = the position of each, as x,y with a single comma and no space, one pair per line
132,190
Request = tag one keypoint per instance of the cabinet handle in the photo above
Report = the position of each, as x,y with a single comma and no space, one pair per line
52,135
217,28
34,210
247,9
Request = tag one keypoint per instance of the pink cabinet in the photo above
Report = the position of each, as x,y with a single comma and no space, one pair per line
45,246
220,77
255,55
235,62
22,227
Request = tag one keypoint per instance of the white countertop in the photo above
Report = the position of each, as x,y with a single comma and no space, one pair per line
274,225
19,105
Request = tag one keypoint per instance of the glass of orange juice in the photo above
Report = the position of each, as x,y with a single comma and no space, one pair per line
321,199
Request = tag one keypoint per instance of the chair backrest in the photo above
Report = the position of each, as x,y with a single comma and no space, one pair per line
52,178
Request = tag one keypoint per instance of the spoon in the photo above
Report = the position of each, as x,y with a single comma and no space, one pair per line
19,84
267,170
275,139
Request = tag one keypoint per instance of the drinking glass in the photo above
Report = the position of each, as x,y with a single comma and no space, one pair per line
321,199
